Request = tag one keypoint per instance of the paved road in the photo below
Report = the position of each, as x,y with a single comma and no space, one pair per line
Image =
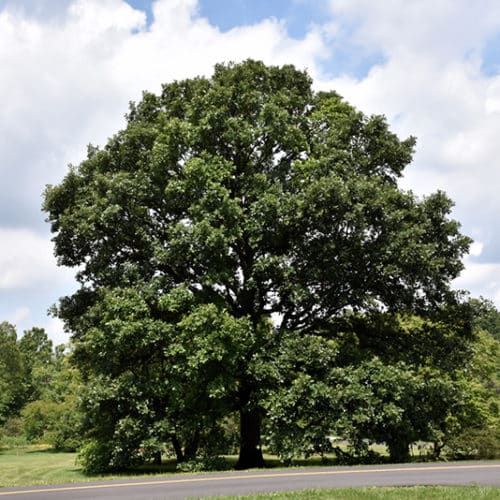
199,486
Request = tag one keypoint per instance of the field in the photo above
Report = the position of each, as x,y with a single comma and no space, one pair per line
37,465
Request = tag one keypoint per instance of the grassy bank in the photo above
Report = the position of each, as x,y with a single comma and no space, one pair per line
378,493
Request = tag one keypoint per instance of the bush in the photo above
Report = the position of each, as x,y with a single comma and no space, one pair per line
95,457
66,432
57,424
482,443
13,427
11,434
209,463
39,417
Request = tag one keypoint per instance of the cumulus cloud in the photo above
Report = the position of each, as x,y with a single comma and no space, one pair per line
19,314
27,262
67,78
30,281
68,83
432,84
69,73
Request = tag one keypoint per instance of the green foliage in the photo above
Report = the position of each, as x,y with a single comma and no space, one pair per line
39,390
12,370
227,202
205,463
57,424
95,457
475,443
487,317
37,352
39,417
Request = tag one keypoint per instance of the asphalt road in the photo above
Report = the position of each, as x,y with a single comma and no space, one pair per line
240,483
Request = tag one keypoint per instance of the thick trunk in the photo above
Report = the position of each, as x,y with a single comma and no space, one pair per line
179,455
250,452
190,449
192,445
399,451
157,458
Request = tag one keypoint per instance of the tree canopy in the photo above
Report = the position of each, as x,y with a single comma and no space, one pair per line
233,229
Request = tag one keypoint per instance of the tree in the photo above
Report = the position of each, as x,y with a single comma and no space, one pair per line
487,317
36,351
229,213
12,371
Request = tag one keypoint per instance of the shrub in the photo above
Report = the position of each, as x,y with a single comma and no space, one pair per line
208,463
95,457
482,443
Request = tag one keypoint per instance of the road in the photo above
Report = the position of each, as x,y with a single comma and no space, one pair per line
240,483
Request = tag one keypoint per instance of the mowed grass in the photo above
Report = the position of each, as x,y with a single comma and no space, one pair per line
26,465
379,493
35,465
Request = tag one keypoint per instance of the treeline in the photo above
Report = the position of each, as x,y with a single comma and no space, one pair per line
39,390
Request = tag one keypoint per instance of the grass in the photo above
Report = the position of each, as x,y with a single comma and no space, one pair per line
24,465
38,464
379,493
32,465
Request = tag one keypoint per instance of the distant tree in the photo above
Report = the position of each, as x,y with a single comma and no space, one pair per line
37,353
51,410
487,317
12,371
231,213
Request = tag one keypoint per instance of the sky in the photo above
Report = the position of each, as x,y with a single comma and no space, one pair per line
69,68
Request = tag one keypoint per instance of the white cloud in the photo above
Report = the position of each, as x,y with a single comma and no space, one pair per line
476,249
68,83
27,262
67,80
19,314
431,85
480,280
55,330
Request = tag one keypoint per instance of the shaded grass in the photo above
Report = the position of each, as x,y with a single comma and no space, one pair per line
378,493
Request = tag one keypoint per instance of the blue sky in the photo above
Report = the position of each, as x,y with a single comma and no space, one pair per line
70,67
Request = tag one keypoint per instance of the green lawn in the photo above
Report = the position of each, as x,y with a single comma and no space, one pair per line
31,465
35,465
378,493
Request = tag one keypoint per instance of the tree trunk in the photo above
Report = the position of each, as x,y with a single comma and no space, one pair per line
157,458
436,452
399,450
192,445
179,455
250,452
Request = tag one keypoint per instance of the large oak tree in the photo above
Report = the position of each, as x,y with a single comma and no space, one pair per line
231,213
